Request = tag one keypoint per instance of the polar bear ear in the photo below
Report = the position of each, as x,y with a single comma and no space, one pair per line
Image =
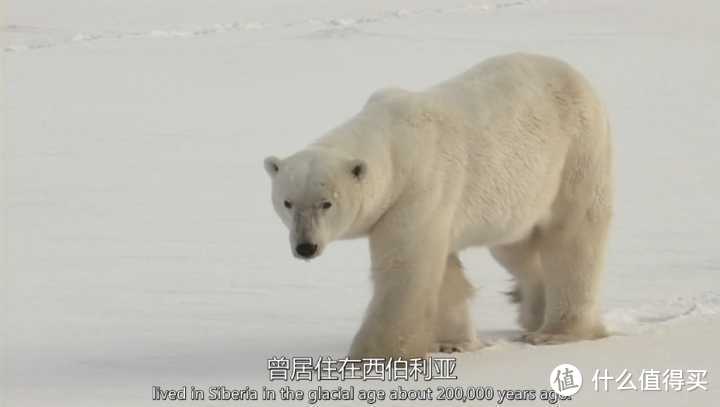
358,169
272,165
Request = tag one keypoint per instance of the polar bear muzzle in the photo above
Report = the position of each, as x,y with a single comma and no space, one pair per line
306,250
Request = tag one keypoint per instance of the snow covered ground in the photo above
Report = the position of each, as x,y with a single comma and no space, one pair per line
141,245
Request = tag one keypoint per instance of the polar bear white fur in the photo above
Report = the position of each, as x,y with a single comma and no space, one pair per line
513,154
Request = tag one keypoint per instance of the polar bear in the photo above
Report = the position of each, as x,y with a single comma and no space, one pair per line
513,155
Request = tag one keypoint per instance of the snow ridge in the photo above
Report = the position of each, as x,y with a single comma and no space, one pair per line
652,316
323,26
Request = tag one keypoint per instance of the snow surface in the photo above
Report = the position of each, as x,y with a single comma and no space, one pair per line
141,245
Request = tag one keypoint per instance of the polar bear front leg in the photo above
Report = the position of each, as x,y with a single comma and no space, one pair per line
454,330
407,271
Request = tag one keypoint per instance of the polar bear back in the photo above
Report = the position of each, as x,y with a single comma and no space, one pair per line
532,125
498,149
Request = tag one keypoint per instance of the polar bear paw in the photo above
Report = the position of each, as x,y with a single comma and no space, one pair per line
546,338
540,338
458,347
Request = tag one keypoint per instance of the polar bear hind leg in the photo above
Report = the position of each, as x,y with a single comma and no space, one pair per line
454,328
522,260
572,253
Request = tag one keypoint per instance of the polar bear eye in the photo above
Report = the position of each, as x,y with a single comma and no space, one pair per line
326,205
288,204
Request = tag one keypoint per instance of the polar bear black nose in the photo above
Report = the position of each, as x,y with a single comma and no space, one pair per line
306,249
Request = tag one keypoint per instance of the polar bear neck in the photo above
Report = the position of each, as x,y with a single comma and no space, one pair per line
368,140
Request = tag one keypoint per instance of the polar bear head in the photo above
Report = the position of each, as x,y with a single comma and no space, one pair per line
318,195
